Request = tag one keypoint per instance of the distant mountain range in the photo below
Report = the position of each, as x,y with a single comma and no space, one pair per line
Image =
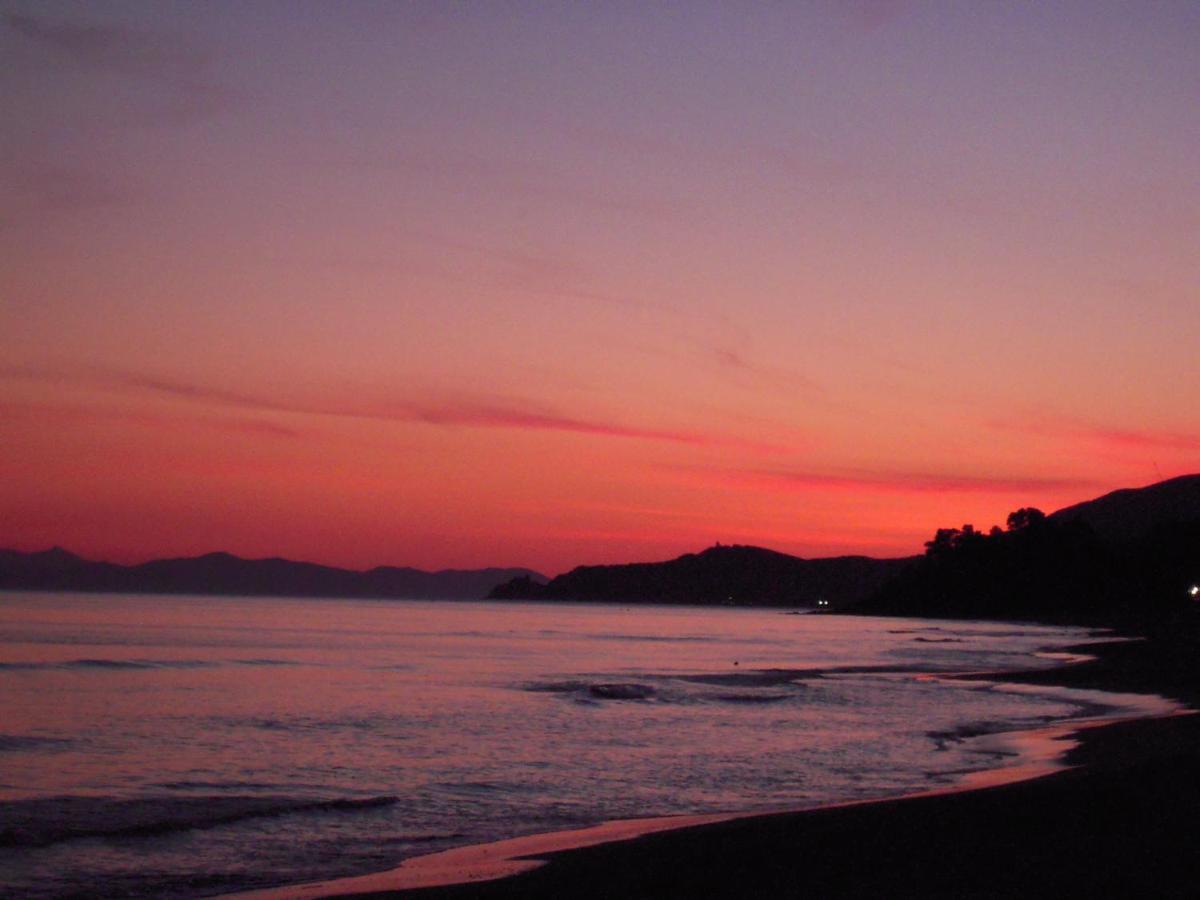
1123,547
223,573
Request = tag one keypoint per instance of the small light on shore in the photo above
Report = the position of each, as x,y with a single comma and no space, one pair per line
1194,590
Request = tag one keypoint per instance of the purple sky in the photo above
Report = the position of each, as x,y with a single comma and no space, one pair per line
558,283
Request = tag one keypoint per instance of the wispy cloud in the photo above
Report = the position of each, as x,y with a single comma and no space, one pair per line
252,426
186,391
42,413
891,481
514,415
177,66
446,412
732,361
1145,440
112,47
541,273
1105,437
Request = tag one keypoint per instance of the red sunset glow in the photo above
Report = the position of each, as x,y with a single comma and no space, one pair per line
416,286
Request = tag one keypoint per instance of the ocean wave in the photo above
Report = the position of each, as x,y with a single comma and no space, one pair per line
751,698
753,677
555,687
471,788
195,785
107,664
620,691
420,837
797,677
594,690
669,690
656,638
110,664
20,742
265,662
943,740
305,724
53,820
966,731
745,684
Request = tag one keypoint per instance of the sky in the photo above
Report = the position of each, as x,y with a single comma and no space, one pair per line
549,284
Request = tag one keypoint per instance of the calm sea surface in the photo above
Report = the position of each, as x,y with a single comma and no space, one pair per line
190,746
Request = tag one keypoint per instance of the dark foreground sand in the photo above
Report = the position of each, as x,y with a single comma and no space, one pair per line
1124,822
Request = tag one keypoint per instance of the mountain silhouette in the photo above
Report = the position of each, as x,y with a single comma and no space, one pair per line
1132,551
223,573
1130,513
721,575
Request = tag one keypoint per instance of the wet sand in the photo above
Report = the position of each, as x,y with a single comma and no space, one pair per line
1121,820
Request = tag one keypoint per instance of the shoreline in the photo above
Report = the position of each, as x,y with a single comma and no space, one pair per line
662,856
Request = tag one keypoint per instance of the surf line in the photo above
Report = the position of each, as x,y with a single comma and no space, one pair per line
1043,751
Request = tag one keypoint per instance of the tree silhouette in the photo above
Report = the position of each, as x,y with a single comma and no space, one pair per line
1025,517
1042,568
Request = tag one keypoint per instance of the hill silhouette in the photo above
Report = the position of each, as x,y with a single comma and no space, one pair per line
1131,513
1130,555
223,573
721,575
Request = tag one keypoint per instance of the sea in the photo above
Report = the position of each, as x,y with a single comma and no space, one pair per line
179,746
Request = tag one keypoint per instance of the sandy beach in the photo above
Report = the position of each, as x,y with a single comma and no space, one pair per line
1115,815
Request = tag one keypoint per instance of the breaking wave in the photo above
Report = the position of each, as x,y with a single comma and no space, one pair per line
15,743
52,820
110,664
